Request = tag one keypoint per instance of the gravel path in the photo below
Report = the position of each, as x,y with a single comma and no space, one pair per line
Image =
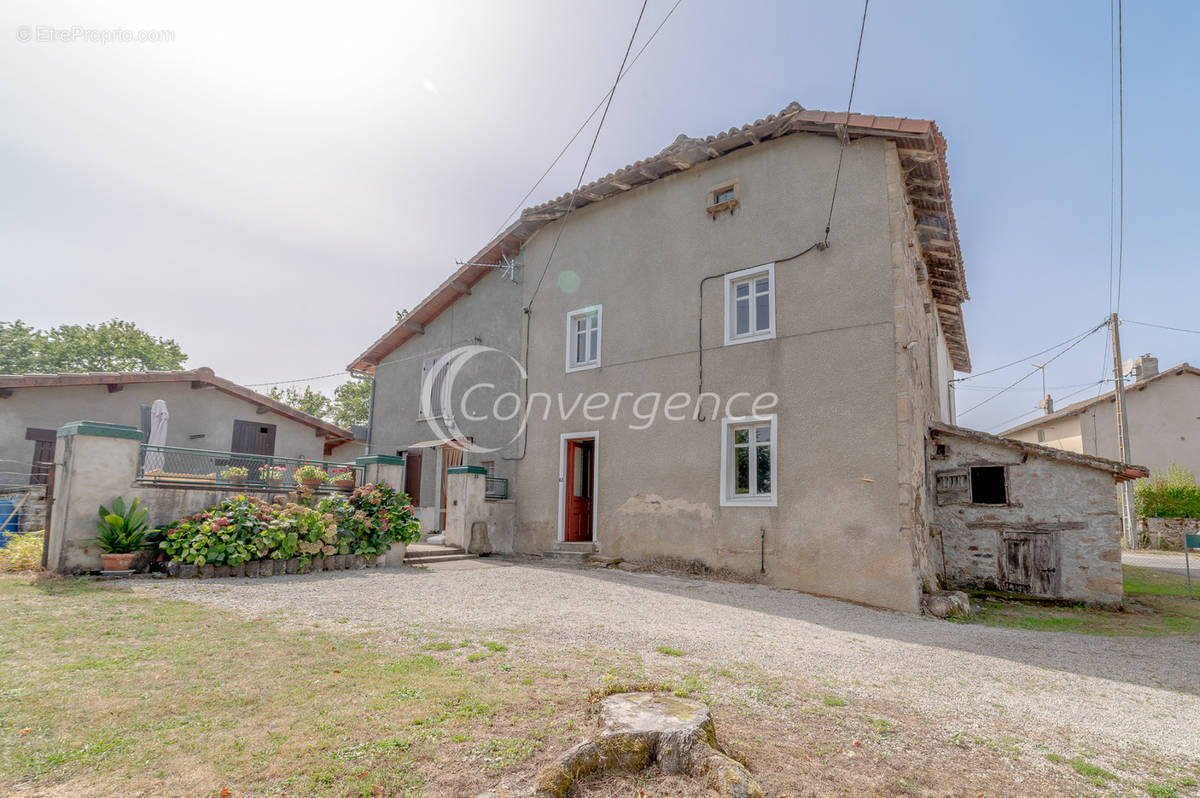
1131,691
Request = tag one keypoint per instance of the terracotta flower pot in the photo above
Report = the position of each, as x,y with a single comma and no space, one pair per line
311,484
117,562
344,484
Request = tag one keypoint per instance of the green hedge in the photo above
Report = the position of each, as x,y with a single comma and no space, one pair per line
244,528
1169,494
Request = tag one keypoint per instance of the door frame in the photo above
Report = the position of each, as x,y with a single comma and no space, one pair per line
594,436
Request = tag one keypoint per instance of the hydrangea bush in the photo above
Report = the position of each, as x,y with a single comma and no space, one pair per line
244,528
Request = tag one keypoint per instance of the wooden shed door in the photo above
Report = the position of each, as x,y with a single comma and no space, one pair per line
253,437
1029,563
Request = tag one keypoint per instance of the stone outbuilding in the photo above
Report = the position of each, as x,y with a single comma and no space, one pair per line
1026,519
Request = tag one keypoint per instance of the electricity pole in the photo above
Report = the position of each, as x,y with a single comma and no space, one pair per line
1128,529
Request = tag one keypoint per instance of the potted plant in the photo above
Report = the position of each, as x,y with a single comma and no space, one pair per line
235,475
343,478
310,476
121,536
272,475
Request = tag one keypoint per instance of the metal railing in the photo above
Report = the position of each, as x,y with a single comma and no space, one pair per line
495,488
203,468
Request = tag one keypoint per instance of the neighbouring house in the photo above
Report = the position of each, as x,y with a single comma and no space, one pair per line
680,364
1163,412
1021,518
206,412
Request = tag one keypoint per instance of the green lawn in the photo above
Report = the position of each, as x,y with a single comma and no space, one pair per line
104,692
1156,605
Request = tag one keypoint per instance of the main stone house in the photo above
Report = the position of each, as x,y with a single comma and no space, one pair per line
707,269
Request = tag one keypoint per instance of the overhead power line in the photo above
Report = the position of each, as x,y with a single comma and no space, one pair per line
846,133
1159,326
599,126
1003,425
1029,357
290,382
521,203
1036,370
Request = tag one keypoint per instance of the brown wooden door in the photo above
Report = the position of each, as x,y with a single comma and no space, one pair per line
43,453
578,486
412,476
1028,563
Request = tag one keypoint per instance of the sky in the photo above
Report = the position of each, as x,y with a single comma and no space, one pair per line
272,183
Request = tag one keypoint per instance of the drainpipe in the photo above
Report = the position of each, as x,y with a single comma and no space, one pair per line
762,550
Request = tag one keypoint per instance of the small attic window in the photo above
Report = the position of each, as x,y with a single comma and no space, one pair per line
722,198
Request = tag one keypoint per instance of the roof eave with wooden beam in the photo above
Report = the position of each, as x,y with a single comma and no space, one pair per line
922,152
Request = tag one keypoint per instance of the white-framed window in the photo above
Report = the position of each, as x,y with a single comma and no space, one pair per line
436,385
749,461
583,338
750,304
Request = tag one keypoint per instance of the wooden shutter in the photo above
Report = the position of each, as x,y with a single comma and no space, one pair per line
253,437
439,386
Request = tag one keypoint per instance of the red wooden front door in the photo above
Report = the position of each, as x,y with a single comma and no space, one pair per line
578,486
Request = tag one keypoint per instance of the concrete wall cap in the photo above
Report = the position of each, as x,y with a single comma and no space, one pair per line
99,429
379,459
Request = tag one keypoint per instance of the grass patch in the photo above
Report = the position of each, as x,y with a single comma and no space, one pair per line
106,692
492,645
1095,774
671,652
1158,606
834,701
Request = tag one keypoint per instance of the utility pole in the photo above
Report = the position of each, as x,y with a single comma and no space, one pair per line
1128,528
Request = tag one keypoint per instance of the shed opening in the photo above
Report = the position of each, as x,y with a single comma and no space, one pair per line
988,485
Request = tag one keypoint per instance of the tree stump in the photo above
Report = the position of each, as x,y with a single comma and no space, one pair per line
642,729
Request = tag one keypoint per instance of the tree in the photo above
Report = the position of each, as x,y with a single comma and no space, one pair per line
312,402
112,346
351,403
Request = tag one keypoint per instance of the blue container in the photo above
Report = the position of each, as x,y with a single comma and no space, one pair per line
12,525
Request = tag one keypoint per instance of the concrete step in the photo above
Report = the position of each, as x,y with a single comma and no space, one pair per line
436,558
571,552
417,551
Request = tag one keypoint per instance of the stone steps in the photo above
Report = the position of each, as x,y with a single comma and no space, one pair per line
428,554
571,552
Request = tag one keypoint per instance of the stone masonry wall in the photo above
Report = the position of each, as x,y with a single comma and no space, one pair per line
33,512
1166,533
1073,506
916,391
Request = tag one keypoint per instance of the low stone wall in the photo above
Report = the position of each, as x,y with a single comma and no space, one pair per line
1166,533
165,505
256,568
33,512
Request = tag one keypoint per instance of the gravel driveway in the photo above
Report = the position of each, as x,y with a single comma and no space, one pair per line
1131,691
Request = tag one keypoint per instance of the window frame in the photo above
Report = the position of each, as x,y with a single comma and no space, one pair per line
572,316
732,279
728,497
436,397
1003,468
